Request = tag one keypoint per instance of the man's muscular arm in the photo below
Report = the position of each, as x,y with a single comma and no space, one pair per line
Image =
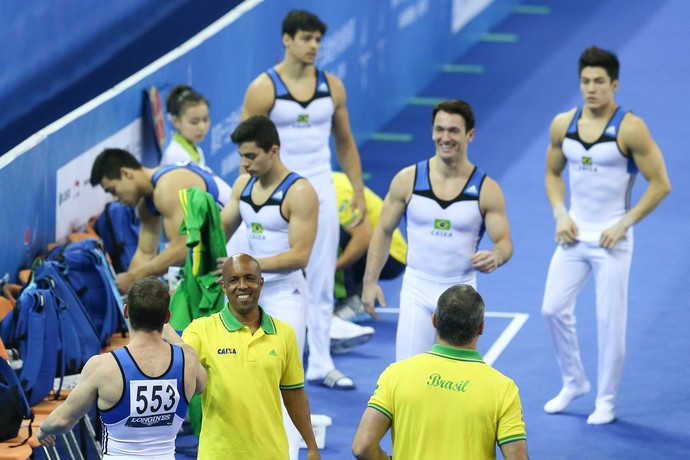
492,203
566,230
635,138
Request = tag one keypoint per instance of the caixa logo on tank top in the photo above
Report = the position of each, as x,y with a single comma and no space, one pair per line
302,121
257,232
442,228
587,164
152,403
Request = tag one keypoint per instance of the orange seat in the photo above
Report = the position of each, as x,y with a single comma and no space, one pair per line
35,425
3,352
7,452
24,275
116,341
47,406
91,227
6,306
11,291
64,392
33,440
38,420
41,412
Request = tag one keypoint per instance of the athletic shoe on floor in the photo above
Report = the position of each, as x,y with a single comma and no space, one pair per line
346,335
352,309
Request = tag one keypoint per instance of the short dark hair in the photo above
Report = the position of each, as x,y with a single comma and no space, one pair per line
108,164
259,129
459,314
302,20
457,107
182,96
597,57
148,303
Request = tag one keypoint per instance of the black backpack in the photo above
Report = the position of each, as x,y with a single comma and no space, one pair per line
14,408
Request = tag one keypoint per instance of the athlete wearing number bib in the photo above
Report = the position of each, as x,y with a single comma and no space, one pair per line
148,416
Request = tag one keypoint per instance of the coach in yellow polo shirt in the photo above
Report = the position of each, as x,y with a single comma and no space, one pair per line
446,403
251,359
354,241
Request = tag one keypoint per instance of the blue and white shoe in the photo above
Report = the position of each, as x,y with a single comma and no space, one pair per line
346,335
352,309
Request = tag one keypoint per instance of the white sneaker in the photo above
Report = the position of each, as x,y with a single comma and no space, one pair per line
567,395
346,335
341,329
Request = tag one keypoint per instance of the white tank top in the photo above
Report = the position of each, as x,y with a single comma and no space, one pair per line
601,178
443,235
304,128
146,420
267,228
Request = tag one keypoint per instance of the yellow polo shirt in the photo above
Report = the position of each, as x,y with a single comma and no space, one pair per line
241,405
447,403
343,193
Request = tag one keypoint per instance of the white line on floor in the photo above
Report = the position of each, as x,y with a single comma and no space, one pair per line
506,336
519,319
